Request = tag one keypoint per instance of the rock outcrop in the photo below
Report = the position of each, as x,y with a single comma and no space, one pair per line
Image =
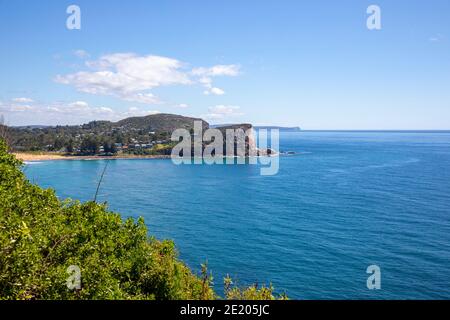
241,133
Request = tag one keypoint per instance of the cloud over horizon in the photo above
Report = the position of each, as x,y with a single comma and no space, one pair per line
131,77
65,113
222,112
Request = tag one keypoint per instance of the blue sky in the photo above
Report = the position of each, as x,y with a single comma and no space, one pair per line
312,64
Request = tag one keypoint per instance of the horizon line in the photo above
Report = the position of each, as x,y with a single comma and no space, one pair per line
279,126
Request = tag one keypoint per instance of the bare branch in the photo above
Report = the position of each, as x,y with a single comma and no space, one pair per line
100,181
4,131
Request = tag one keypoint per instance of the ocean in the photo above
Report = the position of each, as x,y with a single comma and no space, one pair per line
342,202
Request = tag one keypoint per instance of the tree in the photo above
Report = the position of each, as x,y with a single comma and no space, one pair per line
69,146
59,144
109,146
90,145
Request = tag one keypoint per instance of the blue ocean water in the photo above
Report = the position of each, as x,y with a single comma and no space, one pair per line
345,201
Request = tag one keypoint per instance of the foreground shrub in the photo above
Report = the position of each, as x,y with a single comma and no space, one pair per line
41,236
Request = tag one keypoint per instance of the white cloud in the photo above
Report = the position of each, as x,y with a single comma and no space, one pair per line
106,109
79,105
130,77
220,112
222,109
17,105
217,91
20,108
127,76
54,109
147,98
82,54
214,91
82,108
437,38
137,112
76,109
205,80
231,70
206,75
22,100
76,112
182,105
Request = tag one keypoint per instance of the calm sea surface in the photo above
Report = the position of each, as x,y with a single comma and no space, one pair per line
347,200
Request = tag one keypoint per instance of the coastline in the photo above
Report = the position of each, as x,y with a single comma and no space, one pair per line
37,157
24,156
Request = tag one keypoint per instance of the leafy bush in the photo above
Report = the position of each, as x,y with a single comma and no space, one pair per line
41,236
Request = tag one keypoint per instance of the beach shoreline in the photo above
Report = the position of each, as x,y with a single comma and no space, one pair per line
32,157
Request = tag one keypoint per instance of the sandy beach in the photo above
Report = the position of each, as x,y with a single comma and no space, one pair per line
55,156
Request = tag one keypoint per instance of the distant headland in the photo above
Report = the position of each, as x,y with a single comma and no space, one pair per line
134,137
281,129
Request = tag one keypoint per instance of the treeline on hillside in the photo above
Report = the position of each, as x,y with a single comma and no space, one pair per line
128,135
86,139
41,237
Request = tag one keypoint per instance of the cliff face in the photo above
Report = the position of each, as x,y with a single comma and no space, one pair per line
242,132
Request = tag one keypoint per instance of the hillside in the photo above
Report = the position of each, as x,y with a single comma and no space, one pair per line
95,136
162,122
141,136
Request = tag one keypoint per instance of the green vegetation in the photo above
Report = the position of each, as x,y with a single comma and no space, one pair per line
100,137
41,236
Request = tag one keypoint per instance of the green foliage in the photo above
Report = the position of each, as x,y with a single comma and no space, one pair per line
250,293
41,236
87,138
90,145
164,149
